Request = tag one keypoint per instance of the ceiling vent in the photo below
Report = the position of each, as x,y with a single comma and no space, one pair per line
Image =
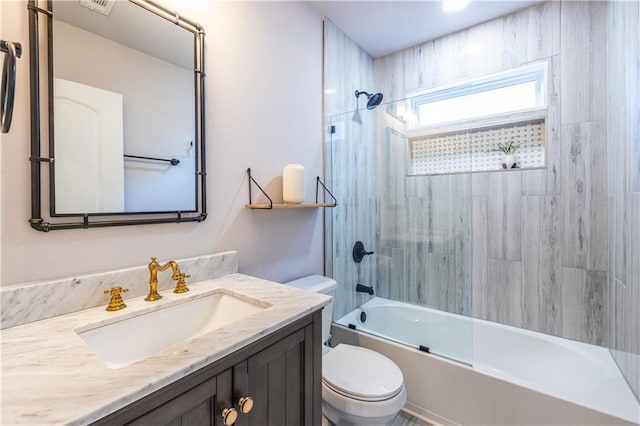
101,6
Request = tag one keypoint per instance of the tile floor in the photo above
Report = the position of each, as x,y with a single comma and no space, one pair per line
402,419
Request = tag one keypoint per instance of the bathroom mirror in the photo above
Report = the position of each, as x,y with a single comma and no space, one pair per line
119,99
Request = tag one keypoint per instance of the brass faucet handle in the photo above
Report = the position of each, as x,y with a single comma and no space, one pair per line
181,286
116,303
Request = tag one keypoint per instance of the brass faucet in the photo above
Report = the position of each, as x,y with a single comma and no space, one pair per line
178,276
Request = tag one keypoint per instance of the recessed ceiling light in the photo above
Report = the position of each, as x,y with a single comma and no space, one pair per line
454,5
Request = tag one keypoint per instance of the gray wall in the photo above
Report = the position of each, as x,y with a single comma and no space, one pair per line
623,133
260,57
533,244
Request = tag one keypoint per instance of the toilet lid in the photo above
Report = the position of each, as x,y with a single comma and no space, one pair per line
362,373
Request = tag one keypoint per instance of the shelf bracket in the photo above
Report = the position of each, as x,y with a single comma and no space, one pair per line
318,183
251,179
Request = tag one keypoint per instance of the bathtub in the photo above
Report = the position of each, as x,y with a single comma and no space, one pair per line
470,371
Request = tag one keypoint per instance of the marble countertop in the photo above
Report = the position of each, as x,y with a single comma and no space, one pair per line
50,376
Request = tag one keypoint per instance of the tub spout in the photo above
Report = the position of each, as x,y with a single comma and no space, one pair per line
364,289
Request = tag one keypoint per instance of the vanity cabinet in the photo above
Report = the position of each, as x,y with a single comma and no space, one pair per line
280,372
194,407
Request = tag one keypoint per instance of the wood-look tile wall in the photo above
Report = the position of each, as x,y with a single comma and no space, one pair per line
349,160
531,248
524,248
623,134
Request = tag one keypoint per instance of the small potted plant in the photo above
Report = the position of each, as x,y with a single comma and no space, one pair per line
508,150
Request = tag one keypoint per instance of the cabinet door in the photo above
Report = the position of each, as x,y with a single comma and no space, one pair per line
280,380
200,406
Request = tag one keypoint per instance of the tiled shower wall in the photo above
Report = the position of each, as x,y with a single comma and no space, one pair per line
623,130
525,248
349,160
532,245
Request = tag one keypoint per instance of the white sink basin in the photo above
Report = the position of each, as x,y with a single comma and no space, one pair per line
124,341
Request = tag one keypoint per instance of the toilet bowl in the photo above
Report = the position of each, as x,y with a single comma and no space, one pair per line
359,386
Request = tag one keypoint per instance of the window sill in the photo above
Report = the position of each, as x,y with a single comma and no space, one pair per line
533,114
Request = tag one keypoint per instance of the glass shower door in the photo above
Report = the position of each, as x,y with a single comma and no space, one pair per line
401,191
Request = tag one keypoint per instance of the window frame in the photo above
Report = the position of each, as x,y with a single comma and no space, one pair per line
537,71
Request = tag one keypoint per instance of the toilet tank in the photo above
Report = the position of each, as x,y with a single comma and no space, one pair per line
324,285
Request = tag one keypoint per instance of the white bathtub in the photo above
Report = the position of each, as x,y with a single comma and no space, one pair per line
531,368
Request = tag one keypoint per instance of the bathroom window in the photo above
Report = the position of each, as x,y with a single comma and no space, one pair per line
458,128
499,95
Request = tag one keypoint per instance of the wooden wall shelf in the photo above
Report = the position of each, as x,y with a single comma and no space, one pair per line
288,206
271,205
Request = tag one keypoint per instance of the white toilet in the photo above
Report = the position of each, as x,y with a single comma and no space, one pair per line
359,386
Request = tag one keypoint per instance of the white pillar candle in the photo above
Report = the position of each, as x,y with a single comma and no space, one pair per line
293,184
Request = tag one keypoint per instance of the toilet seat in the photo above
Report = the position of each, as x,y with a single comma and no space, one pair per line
361,374
358,398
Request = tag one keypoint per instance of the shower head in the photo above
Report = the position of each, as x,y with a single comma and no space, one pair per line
373,99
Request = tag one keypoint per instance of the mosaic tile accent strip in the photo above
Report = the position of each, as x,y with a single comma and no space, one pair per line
474,150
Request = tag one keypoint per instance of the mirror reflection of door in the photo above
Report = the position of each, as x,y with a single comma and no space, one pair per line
149,61
89,167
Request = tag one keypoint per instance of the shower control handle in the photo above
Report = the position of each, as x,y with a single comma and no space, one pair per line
359,252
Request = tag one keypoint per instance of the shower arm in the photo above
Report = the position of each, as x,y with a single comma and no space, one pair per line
373,99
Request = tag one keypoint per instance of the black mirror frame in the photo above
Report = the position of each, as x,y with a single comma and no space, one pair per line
93,220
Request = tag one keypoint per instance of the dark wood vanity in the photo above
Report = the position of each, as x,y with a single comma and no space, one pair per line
281,373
